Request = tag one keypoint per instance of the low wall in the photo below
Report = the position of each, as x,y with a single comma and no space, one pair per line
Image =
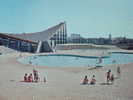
83,46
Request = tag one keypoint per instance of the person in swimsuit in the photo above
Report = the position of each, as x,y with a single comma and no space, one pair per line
93,80
108,75
118,71
36,77
85,80
25,78
112,78
30,78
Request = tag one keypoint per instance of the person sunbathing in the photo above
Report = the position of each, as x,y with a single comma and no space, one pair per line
36,76
25,78
30,78
93,80
85,81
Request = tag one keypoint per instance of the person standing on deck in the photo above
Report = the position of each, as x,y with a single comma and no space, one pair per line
118,71
108,75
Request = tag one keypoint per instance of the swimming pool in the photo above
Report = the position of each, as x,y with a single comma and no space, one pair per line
65,60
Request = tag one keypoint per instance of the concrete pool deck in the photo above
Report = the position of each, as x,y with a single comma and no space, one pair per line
62,83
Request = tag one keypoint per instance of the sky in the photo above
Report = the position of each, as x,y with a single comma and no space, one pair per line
90,18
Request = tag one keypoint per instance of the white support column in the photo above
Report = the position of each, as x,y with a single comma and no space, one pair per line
58,36
39,47
65,33
62,34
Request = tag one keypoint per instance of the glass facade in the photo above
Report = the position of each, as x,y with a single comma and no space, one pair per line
60,37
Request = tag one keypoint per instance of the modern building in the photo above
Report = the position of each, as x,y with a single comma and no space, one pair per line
75,36
44,41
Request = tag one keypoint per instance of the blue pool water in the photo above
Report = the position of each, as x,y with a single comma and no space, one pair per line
59,60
